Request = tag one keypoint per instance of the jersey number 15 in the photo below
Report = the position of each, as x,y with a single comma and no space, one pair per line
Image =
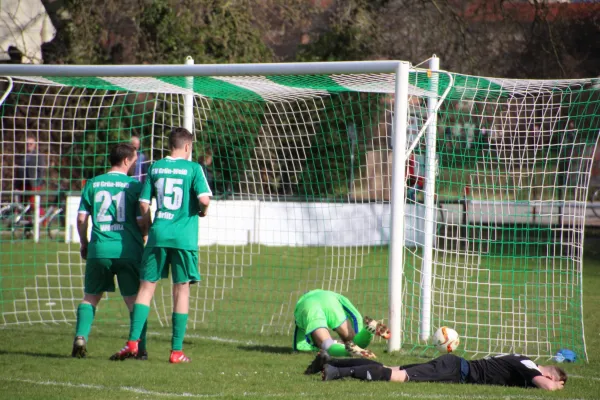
169,193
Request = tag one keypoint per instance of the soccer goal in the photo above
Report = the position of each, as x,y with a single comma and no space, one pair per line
477,225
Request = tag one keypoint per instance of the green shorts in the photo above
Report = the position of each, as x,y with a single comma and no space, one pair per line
100,275
183,263
324,309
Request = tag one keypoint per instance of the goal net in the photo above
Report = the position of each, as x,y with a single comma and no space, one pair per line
300,167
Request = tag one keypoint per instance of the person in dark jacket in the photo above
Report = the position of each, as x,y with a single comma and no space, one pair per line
503,370
30,169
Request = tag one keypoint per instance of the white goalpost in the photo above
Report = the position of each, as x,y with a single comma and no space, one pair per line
427,197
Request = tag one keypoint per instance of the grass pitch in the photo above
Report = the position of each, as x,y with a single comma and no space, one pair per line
35,363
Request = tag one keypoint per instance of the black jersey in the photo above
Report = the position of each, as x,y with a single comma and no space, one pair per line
504,370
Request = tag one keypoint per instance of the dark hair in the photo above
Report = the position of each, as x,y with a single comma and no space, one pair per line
179,137
559,372
121,152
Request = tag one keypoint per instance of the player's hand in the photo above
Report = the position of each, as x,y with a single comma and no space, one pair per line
202,213
83,251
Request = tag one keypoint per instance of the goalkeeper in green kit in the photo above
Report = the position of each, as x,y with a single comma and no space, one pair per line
318,311
182,195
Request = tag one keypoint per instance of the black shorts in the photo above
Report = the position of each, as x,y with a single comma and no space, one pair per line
446,368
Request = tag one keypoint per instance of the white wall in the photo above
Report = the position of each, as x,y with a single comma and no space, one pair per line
241,222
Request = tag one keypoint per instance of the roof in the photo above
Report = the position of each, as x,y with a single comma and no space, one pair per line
25,25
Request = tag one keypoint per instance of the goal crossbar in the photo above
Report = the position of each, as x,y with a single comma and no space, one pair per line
476,224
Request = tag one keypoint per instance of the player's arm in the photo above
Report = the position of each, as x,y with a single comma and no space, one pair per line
200,186
144,220
82,229
546,383
85,209
203,202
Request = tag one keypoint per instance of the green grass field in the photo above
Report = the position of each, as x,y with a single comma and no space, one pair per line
35,358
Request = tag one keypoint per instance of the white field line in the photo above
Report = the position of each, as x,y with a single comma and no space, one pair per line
264,395
102,387
211,338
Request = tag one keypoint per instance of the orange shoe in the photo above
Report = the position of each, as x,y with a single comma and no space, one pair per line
177,357
130,350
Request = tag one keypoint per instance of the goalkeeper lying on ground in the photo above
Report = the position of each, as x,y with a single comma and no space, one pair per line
320,310
503,370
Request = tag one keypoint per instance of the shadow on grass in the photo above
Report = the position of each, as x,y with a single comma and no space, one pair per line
33,354
268,349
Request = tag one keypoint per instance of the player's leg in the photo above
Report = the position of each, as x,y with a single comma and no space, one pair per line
184,271
127,271
86,312
142,353
313,322
366,371
152,269
301,342
446,368
97,280
154,266
323,358
181,296
442,369
323,340
302,314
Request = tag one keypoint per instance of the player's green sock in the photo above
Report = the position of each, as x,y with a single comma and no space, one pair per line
138,320
142,345
85,317
337,350
179,325
363,338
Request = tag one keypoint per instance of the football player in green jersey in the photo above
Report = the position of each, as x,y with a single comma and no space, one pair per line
318,311
182,195
116,243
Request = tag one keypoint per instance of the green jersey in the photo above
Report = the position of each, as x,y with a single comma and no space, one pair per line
112,201
176,184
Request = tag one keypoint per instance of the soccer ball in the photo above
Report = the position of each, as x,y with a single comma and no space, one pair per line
446,340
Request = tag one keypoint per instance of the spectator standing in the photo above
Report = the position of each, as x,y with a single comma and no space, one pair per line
206,162
140,169
30,170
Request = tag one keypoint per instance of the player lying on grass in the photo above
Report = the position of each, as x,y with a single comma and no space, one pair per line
182,195
504,370
320,310
116,244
